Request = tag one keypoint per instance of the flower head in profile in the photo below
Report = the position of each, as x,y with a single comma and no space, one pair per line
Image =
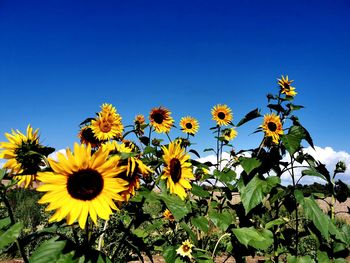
185,250
229,134
82,184
133,167
285,86
177,170
189,125
139,123
222,114
161,120
24,155
108,124
168,215
87,136
272,127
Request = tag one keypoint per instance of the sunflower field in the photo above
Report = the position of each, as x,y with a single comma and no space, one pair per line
130,193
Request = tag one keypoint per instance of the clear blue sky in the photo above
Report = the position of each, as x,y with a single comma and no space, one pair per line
59,61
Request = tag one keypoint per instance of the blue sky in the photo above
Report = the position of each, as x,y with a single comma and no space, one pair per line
59,61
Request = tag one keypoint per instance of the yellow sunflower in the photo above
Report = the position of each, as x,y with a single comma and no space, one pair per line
87,136
82,184
139,123
140,119
161,120
177,170
222,114
229,134
108,124
24,154
272,127
189,125
286,87
168,215
134,168
185,250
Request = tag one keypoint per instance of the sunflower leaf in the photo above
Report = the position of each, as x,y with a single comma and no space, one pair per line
10,235
250,116
249,164
293,139
176,206
2,173
195,153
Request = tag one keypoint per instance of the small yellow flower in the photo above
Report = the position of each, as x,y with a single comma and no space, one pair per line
229,134
185,250
168,215
272,127
140,119
286,87
189,125
222,114
86,136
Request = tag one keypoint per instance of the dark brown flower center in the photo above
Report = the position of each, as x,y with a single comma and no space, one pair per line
185,248
85,184
272,126
175,170
221,115
105,126
158,117
188,125
286,86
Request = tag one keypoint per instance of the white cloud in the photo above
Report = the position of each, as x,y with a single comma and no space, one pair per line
54,154
326,155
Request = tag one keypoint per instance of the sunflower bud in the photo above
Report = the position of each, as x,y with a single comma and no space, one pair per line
340,167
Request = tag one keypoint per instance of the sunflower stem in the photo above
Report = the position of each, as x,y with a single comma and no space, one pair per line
13,221
100,241
167,134
217,243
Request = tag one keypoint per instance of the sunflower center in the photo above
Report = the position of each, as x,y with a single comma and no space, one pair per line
175,170
221,115
85,184
105,126
28,156
185,248
188,125
286,86
272,126
158,117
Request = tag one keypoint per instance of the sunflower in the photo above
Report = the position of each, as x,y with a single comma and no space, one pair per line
25,155
286,87
108,124
139,123
139,119
161,120
82,183
168,215
272,127
87,136
185,250
229,134
134,167
222,114
189,125
177,170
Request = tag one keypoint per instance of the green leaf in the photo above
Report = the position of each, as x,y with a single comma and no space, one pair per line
294,107
50,251
189,232
149,149
322,257
201,223
260,239
140,233
314,213
293,139
209,150
313,172
199,191
2,173
10,235
340,260
202,258
250,116
253,193
249,164
5,222
304,259
226,175
221,220
276,222
176,206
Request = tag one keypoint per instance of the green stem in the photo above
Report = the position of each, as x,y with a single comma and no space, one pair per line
167,134
296,209
100,241
13,221
217,243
